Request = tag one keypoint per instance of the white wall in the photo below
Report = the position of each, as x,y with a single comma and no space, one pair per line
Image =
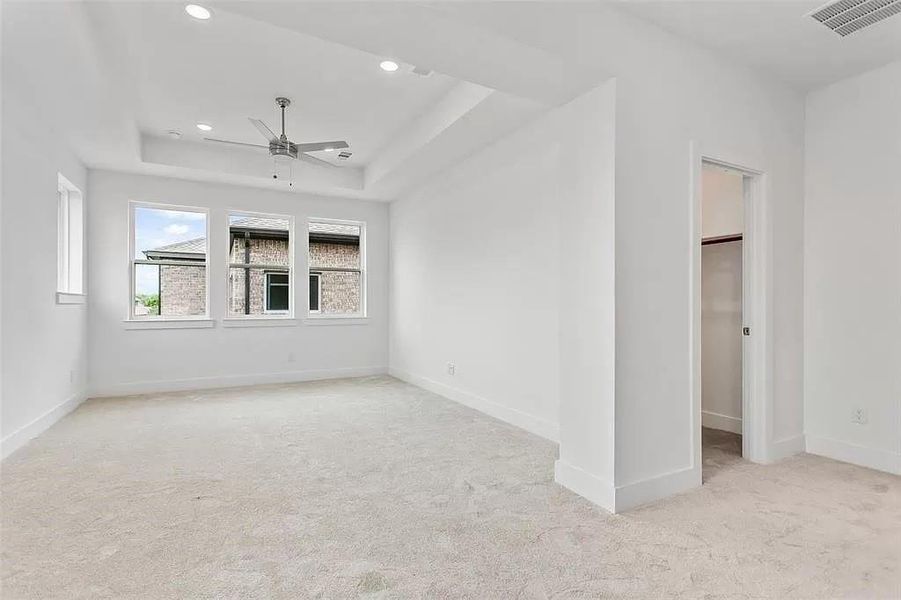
722,202
124,361
43,344
852,303
473,259
497,266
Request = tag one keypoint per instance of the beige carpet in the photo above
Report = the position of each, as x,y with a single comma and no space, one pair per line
374,488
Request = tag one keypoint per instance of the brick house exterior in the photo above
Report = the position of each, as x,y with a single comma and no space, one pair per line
259,246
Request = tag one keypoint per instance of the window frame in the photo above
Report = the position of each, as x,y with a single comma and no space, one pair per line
132,261
364,280
70,241
266,315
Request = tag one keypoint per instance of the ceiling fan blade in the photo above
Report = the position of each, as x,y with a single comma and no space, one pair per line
264,129
235,143
315,161
316,146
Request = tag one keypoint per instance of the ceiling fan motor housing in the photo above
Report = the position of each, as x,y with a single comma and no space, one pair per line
281,148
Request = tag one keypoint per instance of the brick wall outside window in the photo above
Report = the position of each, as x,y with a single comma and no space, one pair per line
183,288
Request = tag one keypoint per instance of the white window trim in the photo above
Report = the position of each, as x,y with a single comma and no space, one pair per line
68,298
337,320
169,323
260,321
278,316
328,319
70,249
164,322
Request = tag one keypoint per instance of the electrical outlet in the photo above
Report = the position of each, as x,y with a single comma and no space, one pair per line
451,368
859,416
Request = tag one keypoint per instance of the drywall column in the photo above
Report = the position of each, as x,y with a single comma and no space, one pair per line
586,291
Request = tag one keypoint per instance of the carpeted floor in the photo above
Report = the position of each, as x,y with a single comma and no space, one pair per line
719,450
374,488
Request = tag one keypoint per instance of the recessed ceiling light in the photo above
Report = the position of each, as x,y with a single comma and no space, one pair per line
329,149
204,127
388,65
198,12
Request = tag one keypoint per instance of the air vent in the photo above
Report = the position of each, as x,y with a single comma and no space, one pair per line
344,155
422,71
847,16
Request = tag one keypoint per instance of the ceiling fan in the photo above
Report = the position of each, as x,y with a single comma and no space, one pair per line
281,148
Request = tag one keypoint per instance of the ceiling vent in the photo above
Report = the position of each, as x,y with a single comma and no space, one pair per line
344,155
422,71
847,16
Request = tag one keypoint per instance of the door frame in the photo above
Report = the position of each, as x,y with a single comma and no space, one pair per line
757,349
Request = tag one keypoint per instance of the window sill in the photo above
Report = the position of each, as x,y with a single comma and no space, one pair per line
336,320
69,298
168,323
259,322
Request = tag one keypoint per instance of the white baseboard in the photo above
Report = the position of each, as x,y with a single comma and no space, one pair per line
583,483
873,458
530,423
226,381
784,448
617,499
26,433
722,422
635,494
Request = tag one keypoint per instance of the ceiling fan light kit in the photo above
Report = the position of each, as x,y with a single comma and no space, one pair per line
284,151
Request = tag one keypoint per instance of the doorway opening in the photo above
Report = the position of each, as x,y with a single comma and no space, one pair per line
730,330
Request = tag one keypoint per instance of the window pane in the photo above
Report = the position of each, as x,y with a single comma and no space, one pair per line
147,291
249,295
340,293
169,236
259,240
170,290
335,250
334,245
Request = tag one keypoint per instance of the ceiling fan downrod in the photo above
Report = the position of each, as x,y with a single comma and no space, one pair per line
283,103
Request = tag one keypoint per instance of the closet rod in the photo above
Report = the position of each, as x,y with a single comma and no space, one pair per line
723,239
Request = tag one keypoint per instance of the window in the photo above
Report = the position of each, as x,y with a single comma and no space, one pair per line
277,292
337,268
70,238
260,265
168,262
315,291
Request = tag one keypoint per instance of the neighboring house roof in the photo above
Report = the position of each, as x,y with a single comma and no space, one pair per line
322,232
259,223
279,225
335,229
186,249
